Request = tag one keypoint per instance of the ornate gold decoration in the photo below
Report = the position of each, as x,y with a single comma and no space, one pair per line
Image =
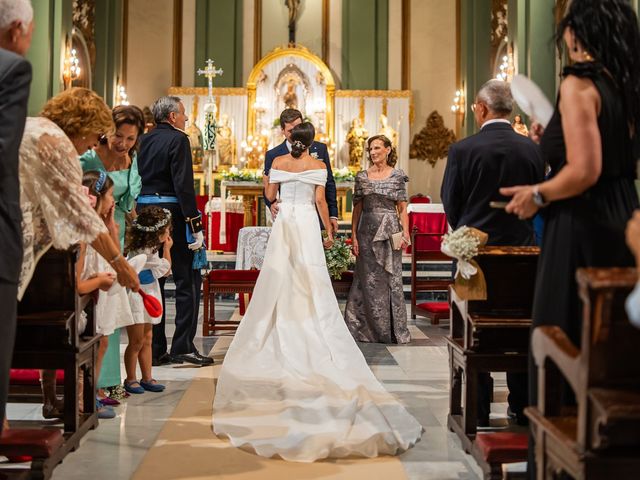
432,142
84,19
361,110
374,93
217,91
298,51
499,26
355,138
195,137
385,104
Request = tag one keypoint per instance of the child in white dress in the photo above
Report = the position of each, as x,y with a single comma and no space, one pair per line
94,274
146,234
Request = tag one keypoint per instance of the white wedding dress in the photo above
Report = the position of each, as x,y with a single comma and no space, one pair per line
294,383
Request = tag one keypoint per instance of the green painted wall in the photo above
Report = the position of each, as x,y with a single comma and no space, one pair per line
219,37
541,58
52,20
108,32
365,44
475,53
531,29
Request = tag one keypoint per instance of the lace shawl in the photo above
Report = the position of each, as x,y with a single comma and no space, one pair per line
393,187
55,211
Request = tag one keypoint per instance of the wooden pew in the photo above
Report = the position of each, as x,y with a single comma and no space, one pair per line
241,282
489,335
601,439
47,337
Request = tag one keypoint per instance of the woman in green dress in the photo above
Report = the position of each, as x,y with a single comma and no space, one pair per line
116,155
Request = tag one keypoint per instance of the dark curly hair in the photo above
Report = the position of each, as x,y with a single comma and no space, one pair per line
90,179
137,240
302,138
608,30
392,159
127,115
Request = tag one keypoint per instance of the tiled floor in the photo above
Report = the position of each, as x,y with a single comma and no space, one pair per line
417,374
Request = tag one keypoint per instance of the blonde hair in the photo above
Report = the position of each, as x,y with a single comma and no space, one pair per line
79,112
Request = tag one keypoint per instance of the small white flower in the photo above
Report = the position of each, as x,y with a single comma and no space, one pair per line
314,155
234,169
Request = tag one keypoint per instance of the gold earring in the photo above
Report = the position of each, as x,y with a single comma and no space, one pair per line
586,56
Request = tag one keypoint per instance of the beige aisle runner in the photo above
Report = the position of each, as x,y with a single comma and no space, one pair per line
186,447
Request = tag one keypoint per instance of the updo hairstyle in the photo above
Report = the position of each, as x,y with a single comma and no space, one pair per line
301,138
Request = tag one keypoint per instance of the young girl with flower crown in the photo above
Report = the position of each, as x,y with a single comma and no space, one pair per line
150,231
95,274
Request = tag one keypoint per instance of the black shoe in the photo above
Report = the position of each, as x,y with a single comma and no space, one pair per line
194,358
165,359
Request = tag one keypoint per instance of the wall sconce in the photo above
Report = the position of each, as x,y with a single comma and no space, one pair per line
122,98
71,70
458,103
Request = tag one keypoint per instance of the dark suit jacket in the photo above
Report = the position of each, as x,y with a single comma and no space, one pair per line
323,154
476,168
15,79
165,166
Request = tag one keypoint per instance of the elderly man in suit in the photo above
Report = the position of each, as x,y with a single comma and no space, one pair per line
289,118
166,169
477,167
16,26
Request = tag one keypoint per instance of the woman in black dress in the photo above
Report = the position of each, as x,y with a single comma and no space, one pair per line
591,146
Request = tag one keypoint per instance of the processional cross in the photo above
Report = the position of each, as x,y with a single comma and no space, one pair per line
210,127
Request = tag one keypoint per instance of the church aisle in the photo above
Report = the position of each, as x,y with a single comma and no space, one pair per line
136,442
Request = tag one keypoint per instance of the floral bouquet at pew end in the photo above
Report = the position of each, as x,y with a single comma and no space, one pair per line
462,244
339,258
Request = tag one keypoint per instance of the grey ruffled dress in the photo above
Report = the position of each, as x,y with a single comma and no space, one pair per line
375,310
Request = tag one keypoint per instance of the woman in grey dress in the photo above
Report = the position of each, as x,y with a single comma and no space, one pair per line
375,310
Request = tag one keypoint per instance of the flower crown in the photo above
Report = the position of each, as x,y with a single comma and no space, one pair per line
153,228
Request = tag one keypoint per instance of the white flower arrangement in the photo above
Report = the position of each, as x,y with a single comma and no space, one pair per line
244,175
314,155
462,244
343,174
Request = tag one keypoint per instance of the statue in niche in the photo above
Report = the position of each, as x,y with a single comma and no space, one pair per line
388,131
226,142
195,138
519,126
356,138
290,97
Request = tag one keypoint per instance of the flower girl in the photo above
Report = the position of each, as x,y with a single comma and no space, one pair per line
145,235
95,274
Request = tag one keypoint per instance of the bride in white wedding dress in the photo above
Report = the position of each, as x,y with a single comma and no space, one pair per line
294,383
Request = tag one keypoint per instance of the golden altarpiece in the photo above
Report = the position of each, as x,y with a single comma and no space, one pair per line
247,122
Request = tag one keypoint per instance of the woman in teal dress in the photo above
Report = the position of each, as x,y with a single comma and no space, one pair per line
116,155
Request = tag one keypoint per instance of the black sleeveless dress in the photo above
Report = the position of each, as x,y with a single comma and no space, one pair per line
587,230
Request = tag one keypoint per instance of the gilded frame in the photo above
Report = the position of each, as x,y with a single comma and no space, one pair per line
296,51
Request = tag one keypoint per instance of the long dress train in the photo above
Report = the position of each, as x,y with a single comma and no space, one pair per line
293,382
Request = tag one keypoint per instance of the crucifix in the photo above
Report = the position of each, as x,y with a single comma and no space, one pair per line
210,127
209,135
293,6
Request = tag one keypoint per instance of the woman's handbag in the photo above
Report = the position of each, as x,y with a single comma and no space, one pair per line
396,240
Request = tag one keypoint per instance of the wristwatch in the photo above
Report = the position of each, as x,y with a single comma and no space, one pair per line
538,199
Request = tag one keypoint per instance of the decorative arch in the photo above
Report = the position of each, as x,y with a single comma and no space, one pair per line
324,78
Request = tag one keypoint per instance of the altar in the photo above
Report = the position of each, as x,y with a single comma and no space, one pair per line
231,129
